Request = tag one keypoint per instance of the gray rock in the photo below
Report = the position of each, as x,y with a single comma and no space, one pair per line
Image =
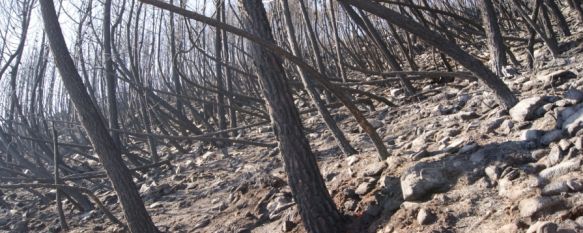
542,227
578,143
364,188
375,123
350,204
531,135
19,227
565,144
574,94
375,169
469,148
554,188
418,182
508,228
561,168
419,155
506,126
493,172
575,185
492,125
555,156
467,115
155,205
556,78
552,136
395,92
574,119
547,122
425,217
4,221
579,220
352,160
277,206
531,206
525,109
205,222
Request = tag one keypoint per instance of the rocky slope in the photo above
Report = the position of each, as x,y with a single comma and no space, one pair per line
459,163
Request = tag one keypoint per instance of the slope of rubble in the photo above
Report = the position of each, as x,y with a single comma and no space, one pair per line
460,163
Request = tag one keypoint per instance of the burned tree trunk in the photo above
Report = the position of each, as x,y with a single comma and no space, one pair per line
120,176
504,94
110,80
309,85
316,207
494,36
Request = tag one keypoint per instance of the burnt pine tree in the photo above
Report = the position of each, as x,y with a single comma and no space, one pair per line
494,36
133,207
316,207
504,94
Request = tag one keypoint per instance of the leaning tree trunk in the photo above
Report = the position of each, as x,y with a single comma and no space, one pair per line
135,212
309,85
110,80
316,207
494,36
504,94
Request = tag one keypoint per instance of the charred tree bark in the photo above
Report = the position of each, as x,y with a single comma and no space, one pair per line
110,79
308,84
316,207
120,176
494,36
504,94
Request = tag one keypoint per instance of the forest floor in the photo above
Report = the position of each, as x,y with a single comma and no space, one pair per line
460,163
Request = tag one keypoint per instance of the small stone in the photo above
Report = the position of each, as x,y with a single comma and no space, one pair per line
375,123
552,136
575,185
288,226
364,188
556,78
425,217
565,144
525,109
531,135
555,188
578,143
492,125
205,222
546,123
508,228
555,156
417,182
373,210
467,115
395,92
155,205
352,160
350,205
531,206
493,172
469,148
574,94
542,227
561,168
419,155
506,126
574,119
375,169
